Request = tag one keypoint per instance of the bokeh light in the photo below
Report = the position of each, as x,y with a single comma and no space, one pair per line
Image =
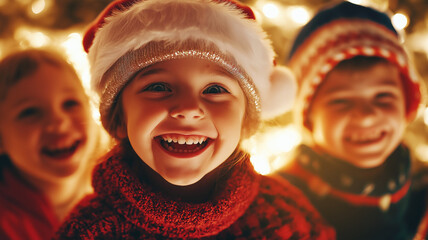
299,15
270,10
38,6
400,21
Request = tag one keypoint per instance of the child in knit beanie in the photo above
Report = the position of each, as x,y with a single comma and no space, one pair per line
357,93
181,82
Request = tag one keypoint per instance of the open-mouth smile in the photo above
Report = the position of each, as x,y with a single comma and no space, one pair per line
62,152
183,145
367,138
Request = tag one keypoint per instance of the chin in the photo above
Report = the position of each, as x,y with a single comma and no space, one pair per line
367,162
183,181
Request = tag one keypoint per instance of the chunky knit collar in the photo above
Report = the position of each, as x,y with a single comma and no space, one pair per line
115,182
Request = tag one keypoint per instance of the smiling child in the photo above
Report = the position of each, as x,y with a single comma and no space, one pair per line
48,143
182,82
357,94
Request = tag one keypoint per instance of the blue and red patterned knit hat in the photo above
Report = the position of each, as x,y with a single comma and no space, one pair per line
342,32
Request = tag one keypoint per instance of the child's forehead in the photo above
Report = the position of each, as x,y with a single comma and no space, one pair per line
47,79
186,65
381,74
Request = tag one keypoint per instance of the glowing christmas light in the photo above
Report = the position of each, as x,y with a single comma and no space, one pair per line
400,21
38,6
299,15
270,10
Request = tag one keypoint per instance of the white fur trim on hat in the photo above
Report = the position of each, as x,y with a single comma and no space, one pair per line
282,92
176,21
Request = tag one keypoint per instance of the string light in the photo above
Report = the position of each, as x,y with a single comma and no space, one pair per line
269,149
31,38
38,6
270,10
400,21
299,15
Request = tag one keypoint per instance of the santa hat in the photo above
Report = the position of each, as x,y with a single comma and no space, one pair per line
342,32
132,34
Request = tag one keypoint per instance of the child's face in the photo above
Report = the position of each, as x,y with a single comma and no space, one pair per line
45,124
359,116
183,117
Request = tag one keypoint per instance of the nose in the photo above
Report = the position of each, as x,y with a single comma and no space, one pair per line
187,107
365,113
57,121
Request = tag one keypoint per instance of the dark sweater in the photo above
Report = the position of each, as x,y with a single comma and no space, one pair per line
246,205
359,203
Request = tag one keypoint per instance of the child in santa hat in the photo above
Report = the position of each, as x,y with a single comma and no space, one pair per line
181,83
357,94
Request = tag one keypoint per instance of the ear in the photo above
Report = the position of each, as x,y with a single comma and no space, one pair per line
308,122
121,131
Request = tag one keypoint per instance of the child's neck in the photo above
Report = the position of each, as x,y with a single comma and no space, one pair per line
64,193
198,192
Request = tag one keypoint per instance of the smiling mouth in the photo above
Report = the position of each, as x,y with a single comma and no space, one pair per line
182,144
61,153
368,138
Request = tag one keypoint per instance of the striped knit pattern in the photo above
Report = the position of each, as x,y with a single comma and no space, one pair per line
320,50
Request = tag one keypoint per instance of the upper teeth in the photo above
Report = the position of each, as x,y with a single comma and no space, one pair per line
365,137
189,140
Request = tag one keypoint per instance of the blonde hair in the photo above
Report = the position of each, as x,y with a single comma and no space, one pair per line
22,63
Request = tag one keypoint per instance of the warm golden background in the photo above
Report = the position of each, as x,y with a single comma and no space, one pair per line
36,23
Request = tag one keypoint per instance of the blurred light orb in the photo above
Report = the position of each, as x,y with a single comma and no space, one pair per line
426,116
400,21
270,10
38,6
359,2
299,15
77,56
261,164
422,152
269,148
34,39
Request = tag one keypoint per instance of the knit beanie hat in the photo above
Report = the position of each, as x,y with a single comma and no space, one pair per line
342,32
130,35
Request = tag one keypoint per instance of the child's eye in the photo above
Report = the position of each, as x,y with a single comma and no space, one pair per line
340,104
157,87
385,99
28,113
337,102
70,104
215,89
385,96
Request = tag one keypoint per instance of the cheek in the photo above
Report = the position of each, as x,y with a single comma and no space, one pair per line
327,124
18,138
230,116
83,119
142,123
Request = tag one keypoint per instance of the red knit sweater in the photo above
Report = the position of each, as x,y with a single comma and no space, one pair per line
249,206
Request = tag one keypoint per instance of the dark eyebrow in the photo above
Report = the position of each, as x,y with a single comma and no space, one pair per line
26,99
21,102
223,72
147,71
385,82
389,82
